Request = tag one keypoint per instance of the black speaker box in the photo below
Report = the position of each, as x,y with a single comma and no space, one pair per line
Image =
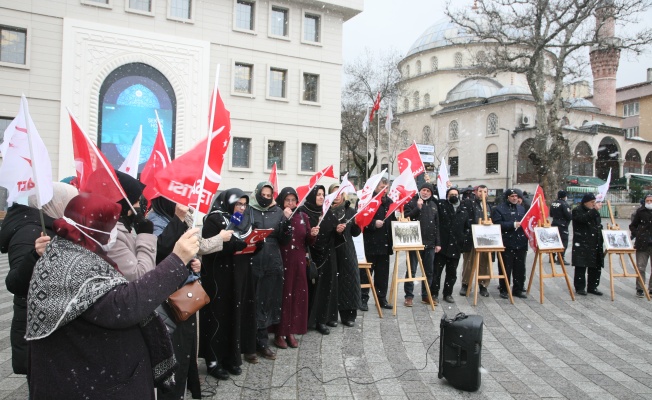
460,348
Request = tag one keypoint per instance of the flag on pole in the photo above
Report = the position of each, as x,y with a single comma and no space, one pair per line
302,191
442,179
345,187
389,119
530,221
539,193
366,214
94,175
26,168
603,189
367,192
273,177
403,189
365,122
158,160
130,164
411,159
375,108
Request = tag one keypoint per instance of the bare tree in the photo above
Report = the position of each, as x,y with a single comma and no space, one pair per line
549,41
365,77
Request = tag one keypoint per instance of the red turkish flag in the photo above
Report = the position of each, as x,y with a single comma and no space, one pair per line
366,214
94,173
537,193
531,221
303,191
273,177
158,160
375,108
411,159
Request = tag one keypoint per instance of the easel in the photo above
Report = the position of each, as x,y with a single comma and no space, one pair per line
393,294
621,252
367,267
538,257
476,261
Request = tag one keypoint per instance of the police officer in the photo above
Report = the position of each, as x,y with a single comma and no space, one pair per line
561,215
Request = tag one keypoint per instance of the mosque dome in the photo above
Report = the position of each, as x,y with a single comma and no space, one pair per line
473,88
579,103
513,90
442,33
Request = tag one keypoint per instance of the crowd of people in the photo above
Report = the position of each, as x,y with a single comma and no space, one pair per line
91,280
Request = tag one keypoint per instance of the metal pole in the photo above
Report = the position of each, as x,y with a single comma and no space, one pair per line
366,164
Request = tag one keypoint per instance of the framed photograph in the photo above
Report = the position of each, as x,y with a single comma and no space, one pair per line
548,238
616,240
486,236
406,234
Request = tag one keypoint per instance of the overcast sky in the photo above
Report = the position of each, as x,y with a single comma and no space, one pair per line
396,24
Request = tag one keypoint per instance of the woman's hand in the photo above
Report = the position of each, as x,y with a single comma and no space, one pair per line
226,235
287,212
40,244
195,265
314,231
340,228
187,245
180,211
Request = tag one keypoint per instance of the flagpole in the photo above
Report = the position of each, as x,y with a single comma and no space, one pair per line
366,164
158,125
33,163
208,144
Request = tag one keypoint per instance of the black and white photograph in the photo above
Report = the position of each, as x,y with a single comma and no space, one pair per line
616,240
406,234
487,236
548,238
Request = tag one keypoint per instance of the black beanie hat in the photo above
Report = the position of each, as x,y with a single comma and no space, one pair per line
561,194
588,197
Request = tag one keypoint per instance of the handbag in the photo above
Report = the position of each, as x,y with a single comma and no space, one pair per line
187,300
311,267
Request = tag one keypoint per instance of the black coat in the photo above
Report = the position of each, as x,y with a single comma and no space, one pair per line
641,228
587,238
560,212
378,241
505,215
455,226
348,274
473,208
428,217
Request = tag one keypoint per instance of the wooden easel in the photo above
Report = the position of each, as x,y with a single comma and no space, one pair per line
393,294
367,267
621,252
538,258
476,261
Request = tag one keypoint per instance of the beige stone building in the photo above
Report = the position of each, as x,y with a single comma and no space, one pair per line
114,62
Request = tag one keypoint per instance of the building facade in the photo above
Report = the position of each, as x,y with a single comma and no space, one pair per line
113,63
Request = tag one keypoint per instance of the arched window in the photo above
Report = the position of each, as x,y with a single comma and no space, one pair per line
632,162
491,160
426,134
416,100
129,97
405,139
407,71
647,169
458,60
426,100
454,161
525,169
406,105
434,64
582,160
418,69
453,131
492,124
565,121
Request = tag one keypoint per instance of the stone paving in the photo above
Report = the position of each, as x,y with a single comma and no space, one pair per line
591,348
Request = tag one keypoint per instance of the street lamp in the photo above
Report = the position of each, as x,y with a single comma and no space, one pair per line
508,156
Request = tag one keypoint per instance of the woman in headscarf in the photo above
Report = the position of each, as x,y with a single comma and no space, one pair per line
348,273
294,306
92,334
322,294
21,238
227,326
268,265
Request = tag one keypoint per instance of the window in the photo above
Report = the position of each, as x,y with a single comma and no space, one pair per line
526,171
311,28
245,15
492,160
308,157
96,2
406,105
426,100
647,168
426,134
416,100
582,160
280,22
13,45
453,131
243,78
454,160
4,123
481,57
241,152
631,109
140,5
181,9
310,87
631,132
405,138
276,154
434,64
458,60
418,69
632,162
277,82
492,124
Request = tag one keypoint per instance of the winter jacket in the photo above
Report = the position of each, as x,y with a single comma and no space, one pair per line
587,238
428,217
641,228
378,241
473,208
505,215
454,226
560,212
135,255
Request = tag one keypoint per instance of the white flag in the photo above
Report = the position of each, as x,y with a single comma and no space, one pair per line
403,186
388,120
26,168
345,187
367,192
130,164
442,179
602,189
365,123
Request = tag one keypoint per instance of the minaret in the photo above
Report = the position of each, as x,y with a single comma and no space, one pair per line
604,60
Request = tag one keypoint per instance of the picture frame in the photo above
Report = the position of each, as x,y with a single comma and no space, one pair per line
487,236
548,238
406,234
616,240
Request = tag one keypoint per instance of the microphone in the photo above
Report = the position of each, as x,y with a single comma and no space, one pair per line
236,218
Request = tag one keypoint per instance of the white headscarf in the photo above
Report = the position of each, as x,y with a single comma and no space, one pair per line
62,193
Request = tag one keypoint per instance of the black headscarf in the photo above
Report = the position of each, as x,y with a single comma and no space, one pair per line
224,204
164,207
310,206
280,199
259,202
133,189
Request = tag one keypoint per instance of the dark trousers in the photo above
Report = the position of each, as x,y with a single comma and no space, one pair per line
514,261
428,258
348,315
262,338
590,282
449,264
380,270
563,233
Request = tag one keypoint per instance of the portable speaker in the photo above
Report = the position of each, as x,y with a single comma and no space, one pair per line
460,346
